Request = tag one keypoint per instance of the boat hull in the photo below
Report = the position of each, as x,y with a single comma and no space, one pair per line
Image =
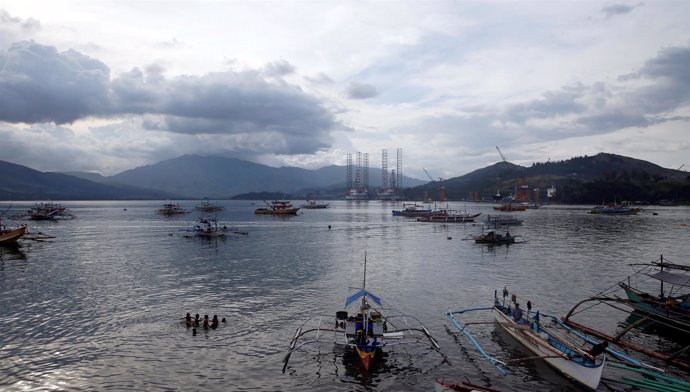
11,237
646,304
587,376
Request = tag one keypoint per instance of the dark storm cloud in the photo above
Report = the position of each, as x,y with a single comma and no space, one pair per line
617,9
40,84
361,91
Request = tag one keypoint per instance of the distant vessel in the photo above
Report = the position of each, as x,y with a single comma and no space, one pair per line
445,216
170,209
502,220
615,209
510,207
312,204
207,206
45,211
388,194
277,207
412,209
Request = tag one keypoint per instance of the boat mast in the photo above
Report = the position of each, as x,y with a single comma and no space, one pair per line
662,282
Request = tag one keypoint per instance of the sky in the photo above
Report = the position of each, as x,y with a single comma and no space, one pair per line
107,85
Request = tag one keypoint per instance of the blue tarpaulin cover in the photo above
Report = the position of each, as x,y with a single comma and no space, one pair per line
360,294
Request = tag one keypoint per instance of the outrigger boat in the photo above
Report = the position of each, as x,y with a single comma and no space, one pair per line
45,211
366,325
277,207
208,228
557,346
502,220
11,236
614,209
668,311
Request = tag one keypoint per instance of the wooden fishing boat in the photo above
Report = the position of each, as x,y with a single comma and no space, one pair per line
366,325
45,211
277,207
559,348
11,236
672,303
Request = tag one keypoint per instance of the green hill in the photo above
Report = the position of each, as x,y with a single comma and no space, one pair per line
588,179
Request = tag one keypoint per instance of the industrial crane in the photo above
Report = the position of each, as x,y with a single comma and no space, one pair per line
441,189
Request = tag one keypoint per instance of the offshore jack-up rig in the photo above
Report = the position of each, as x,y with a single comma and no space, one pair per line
358,178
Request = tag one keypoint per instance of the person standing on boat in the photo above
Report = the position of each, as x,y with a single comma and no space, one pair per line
517,313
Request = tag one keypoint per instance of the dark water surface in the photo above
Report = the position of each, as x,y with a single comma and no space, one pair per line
100,306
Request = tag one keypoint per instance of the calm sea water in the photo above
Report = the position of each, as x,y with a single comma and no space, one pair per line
100,306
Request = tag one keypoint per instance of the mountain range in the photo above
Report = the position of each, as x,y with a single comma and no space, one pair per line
588,179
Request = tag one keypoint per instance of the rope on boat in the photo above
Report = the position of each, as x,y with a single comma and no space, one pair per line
491,360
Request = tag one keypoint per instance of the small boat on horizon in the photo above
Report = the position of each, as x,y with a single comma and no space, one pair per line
615,209
277,207
412,210
207,206
502,220
170,209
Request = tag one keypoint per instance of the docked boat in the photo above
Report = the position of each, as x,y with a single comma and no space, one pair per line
170,209
576,358
11,236
207,206
366,325
510,207
313,205
412,210
614,209
502,220
277,207
670,304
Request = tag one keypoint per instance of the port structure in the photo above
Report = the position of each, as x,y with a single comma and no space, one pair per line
391,185
359,189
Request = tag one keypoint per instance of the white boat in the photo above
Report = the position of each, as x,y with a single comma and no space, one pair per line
559,347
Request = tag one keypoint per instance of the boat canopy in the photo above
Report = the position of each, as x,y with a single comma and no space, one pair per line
360,294
670,277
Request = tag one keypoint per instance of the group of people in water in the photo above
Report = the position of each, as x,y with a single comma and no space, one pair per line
197,322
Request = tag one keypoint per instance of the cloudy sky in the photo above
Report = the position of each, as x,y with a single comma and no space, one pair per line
109,85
